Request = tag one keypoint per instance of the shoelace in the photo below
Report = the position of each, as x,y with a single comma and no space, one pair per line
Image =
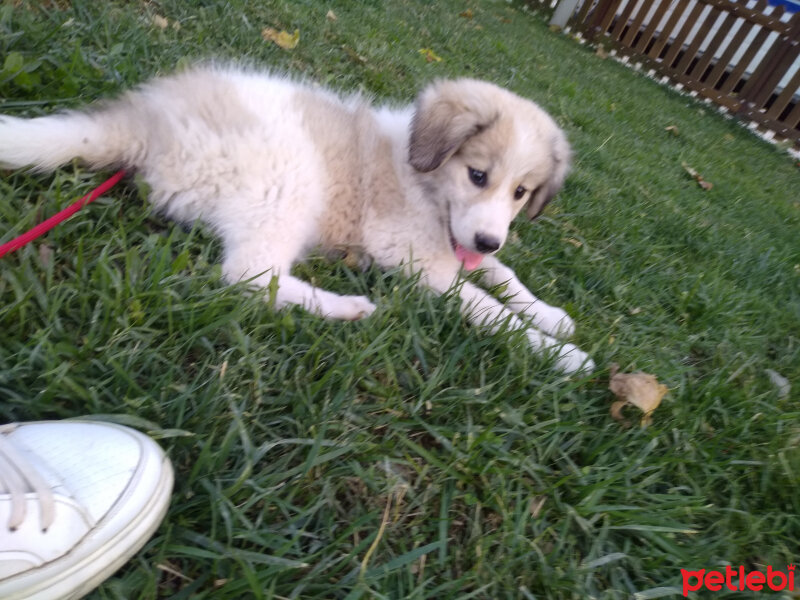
17,478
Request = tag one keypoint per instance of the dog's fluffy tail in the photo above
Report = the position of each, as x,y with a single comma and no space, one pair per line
45,143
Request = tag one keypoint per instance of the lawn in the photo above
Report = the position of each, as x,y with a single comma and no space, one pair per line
408,455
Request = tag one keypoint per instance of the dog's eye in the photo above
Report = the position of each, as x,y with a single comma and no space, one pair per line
477,177
519,193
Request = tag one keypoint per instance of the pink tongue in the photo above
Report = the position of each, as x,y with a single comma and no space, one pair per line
471,260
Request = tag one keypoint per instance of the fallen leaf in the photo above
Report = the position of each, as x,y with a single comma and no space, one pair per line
706,185
430,55
573,241
467,14
672,129
284,39
601,52
639,389
159,21
331,16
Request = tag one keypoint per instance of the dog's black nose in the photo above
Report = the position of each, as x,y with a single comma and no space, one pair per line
486,243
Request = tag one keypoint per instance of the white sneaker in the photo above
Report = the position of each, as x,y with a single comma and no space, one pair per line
77,500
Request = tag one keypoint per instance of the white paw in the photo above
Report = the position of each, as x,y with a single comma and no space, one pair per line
351,308
554,321
572,359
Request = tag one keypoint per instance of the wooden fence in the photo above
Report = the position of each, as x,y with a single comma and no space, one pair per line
743,55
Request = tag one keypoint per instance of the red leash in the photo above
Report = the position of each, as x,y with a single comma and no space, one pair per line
59,217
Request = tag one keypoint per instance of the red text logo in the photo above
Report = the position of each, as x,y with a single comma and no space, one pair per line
737,579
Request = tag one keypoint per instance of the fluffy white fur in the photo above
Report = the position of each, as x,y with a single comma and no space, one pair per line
278,167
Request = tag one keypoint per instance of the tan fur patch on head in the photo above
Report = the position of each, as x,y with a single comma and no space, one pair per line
447,114
561,156
486,149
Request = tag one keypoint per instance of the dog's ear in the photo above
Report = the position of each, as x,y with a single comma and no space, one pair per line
445,116
561,155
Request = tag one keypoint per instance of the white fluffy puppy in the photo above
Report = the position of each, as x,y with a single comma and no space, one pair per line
278,167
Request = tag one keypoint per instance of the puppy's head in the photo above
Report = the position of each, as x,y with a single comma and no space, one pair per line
486,154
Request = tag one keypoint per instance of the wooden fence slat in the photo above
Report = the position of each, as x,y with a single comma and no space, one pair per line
663,37
782,101
744,61
762,95
708,54
623,18
793,120
579,19
636,25
611,11
768,63
677,43
762,82
699,37
725,60
651,27
595,16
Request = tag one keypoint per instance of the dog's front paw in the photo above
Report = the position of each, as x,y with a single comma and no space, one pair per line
573,360
352,308
554,321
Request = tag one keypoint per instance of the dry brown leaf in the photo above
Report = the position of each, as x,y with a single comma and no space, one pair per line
639,389
601,52
672,129
706,185
159,21
284,39
467,14
331,16
430,55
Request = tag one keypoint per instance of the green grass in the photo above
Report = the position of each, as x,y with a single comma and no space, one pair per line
291,435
